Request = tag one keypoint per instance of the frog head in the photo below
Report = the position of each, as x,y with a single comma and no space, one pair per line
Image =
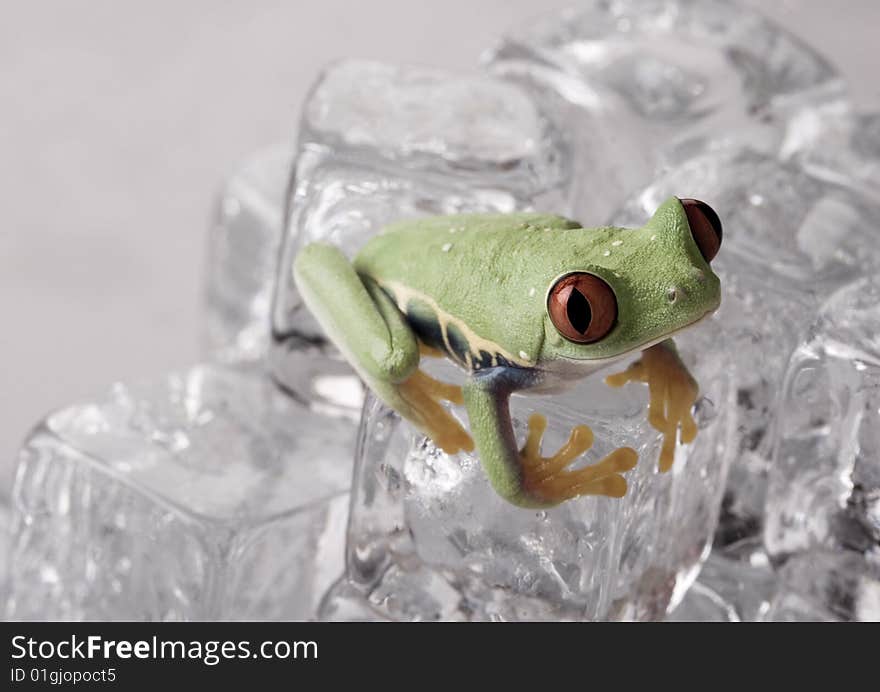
627,289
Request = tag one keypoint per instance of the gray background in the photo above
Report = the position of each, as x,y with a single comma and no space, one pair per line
119,119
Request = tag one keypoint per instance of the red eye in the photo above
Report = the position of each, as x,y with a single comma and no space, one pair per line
705,227
582,307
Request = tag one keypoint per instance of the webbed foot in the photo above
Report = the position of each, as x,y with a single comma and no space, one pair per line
546,479
672,392
423,395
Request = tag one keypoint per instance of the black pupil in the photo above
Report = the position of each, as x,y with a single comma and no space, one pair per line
578,310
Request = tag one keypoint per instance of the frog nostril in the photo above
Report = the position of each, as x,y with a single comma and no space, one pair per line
676,293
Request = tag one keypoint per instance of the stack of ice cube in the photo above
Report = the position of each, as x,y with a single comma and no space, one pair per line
207,494
224,491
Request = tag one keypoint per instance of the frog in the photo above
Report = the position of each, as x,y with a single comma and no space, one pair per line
523,303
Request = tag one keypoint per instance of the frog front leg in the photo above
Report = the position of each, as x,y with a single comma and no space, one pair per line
672,392
375,338
521,475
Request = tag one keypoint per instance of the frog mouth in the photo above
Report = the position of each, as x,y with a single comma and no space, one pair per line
602,362
660,339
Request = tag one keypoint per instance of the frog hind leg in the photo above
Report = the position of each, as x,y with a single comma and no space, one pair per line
374,336
672,393
423,395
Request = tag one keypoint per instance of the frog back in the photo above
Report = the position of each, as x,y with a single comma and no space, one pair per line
474,285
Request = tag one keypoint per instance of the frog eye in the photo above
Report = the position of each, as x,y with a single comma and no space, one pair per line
582,307
705,227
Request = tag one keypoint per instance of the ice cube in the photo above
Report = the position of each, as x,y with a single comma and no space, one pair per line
207,494
827,586
790,239
824,486
243,245
702,604
649,83
737,583
430,539
472,129
835,143
382,142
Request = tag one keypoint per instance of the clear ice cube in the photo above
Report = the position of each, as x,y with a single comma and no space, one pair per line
820,586
472,128
790,239
824,485
382,142
429,539
207,494
645,84
242,251
702,604
835,143
736,583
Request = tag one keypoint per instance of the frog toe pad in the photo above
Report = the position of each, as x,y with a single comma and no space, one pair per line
423,395
547,479
672,392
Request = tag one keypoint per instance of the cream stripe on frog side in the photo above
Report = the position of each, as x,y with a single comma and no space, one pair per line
403,294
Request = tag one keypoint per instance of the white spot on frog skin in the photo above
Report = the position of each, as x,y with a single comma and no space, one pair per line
756,200
523,355
446,247
607,253
617,242
531,291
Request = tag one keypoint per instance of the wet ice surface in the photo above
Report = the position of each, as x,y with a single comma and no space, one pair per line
429,538
651,83
242,257
736,584
381,142
838,144
824,490
827,586
789,240
433,121
206,494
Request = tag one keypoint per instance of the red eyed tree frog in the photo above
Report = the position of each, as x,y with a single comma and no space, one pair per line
522,302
